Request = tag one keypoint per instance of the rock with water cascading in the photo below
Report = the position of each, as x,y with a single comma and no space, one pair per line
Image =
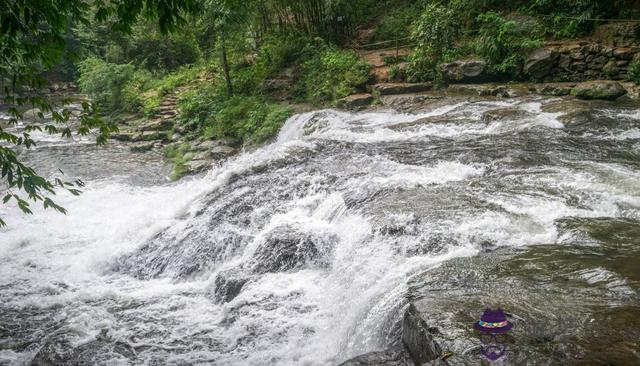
229,283
286,248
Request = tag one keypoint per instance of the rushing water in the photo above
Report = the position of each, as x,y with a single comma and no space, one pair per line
297,253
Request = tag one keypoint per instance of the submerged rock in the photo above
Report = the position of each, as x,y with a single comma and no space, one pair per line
510,113
229,283
608,90
285,249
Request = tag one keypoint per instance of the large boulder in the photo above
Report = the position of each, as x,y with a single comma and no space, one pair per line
540,62
465,71
607,90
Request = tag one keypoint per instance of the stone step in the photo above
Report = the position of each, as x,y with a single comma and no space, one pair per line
151,136
157,125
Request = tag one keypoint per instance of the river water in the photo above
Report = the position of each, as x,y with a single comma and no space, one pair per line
298,253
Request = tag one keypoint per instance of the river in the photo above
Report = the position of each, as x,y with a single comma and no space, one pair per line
298,253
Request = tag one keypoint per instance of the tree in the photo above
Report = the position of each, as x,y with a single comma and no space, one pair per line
225,18
32,42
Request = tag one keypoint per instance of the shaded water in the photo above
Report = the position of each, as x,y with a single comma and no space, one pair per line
299,252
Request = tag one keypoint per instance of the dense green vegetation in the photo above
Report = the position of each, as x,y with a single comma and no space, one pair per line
241,59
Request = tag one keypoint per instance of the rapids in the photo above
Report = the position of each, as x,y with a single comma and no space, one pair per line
297,253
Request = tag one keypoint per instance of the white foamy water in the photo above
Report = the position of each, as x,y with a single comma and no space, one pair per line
324,227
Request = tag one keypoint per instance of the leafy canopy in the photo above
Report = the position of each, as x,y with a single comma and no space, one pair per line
32,41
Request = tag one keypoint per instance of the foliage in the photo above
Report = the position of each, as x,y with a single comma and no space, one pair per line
505,43
251,119
434,32
634,71
178,155
32,41
104,82
571,18
332,74
396,24
159,52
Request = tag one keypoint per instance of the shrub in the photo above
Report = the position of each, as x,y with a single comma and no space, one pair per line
179,155
434,33
133,89
249,118
634,71
104,82
332,74
161,53
505,43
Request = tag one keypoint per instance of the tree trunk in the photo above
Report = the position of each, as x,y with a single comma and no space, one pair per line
225,64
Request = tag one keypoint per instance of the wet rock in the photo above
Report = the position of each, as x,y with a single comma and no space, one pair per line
355,101
32,114
608,90
401,88
285,249
53,353
222,151
540,62
63,352
510,113
197,165
418,337
554,89
391,357
210,144
544,294
142,147
229,283
122,136
465,71
478,89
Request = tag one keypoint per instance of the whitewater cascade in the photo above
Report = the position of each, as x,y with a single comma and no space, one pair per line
297,253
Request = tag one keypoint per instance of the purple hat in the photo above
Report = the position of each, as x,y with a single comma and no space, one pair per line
493,321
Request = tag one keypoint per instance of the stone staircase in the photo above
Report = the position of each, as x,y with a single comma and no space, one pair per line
158,128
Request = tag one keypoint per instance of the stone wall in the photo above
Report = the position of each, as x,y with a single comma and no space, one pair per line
580,61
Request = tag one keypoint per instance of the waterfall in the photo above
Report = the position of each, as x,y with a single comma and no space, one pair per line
298,253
